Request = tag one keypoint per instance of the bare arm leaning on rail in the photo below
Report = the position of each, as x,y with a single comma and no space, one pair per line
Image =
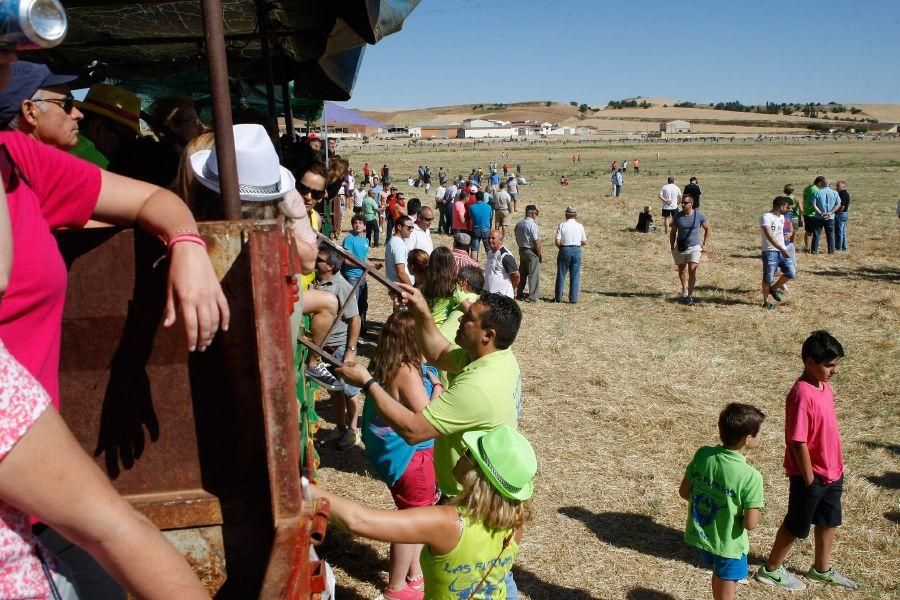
192,287
48,475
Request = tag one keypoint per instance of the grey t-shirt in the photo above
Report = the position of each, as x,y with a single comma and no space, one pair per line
340,288
526,232
502,200
689,227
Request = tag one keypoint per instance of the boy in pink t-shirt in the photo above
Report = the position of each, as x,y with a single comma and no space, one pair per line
815,466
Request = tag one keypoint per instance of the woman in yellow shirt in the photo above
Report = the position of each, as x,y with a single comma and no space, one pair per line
472,542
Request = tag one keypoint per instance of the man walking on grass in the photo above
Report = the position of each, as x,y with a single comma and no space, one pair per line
775,254
684,239
670,194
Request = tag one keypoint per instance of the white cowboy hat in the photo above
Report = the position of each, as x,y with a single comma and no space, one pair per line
260,177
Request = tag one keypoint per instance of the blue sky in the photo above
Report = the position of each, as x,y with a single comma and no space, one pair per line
473,51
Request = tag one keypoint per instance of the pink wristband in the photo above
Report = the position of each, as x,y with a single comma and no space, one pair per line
185,237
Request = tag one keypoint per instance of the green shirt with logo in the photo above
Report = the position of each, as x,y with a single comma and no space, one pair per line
483,394
723,486
809,196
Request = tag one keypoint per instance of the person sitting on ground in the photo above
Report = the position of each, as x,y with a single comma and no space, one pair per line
564,181
726,497
471,543
645,221
408,470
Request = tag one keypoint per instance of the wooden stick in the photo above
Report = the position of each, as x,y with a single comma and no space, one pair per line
323,353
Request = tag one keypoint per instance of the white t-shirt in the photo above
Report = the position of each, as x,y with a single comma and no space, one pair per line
396,254
439,194
358,197
570,233
775,224
671,194
419,238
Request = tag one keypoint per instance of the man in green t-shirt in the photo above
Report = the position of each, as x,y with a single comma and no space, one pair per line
809,213
484,388
726,495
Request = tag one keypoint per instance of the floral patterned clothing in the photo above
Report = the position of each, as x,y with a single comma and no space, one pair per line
22,401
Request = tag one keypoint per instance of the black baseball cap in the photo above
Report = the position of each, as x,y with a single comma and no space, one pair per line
25,79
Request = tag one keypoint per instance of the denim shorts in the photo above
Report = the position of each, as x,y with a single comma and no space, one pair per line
773,261
480,236
729,569
349,390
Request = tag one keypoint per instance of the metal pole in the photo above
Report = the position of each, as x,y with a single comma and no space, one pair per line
262,19
288,109
217,58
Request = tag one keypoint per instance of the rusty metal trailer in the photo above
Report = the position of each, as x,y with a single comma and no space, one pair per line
206,445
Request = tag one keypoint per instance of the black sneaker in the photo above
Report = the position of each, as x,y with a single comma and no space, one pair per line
322,376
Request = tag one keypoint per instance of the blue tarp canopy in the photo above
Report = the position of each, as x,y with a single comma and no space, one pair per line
339,114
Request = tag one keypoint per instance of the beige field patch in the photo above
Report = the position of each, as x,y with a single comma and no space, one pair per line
622,388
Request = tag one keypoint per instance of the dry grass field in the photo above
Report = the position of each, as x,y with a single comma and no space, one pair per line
623,387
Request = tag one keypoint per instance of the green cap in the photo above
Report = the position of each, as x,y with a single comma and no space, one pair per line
506,458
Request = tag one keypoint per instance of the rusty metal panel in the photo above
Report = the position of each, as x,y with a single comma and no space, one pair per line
205,444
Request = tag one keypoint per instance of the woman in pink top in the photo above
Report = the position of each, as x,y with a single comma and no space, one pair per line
49,190
43,470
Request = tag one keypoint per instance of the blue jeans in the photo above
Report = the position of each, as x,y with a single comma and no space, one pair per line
372,230
840,230
773,262
362,299
568,262
828,225
480,237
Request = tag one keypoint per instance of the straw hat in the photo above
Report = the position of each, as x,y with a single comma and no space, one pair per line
506,459
260,177
114,103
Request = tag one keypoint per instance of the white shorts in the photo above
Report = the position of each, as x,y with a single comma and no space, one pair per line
691,255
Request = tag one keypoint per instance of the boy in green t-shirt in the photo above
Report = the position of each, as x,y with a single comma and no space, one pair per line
725,495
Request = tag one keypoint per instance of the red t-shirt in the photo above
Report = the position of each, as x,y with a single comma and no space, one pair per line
59,191
810,418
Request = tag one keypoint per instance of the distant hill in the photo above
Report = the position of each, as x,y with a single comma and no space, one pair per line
649,112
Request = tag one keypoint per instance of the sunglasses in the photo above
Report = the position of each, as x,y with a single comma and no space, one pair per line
311,192
67,103
407,227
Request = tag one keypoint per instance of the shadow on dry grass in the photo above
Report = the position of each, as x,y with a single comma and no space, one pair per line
640,593
538,589
864,273
634,531
355,558
890,480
